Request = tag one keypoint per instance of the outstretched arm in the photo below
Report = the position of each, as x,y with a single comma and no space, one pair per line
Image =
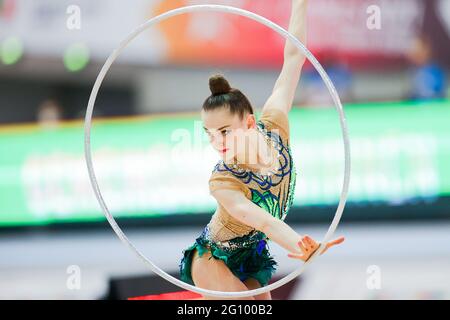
277,230
283,92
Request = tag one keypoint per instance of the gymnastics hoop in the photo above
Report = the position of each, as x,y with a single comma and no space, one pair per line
110,218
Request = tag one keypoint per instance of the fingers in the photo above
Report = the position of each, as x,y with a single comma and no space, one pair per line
332,243
335,242
309,242
308,246
303,247
306,249
311,245
338,240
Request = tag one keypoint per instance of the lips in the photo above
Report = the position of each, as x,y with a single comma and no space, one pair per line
223,150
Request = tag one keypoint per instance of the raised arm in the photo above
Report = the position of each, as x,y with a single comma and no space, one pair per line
283,92
247,212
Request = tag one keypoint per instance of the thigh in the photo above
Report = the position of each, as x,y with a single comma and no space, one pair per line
251,284
214,274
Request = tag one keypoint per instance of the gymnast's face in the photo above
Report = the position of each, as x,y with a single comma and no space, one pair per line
228,134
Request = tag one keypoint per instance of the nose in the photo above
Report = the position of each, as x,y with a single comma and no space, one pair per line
217,142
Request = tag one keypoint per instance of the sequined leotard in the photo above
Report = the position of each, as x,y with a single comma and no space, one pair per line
243,248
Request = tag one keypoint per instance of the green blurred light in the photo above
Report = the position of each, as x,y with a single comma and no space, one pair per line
76,57
11,50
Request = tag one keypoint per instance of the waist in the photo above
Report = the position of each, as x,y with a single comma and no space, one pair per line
246,241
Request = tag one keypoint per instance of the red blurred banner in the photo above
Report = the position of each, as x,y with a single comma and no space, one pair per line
358,32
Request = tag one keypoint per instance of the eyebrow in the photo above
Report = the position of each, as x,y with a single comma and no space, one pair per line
219,128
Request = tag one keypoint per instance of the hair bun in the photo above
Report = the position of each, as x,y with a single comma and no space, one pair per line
218,85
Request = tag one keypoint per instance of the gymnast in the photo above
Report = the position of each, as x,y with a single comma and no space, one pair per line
253,182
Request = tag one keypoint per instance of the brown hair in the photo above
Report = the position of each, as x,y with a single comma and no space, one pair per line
223,95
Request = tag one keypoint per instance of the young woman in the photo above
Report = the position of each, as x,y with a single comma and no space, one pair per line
253,183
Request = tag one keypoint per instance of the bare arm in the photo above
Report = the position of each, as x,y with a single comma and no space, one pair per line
283,92
241,208
250,214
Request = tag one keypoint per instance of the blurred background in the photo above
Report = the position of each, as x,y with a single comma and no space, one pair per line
389,61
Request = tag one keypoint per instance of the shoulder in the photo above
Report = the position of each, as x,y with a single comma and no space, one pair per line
224,179
274,118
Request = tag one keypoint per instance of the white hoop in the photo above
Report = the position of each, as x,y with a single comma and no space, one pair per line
326,79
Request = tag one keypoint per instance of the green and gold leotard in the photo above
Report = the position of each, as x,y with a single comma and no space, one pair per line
243,248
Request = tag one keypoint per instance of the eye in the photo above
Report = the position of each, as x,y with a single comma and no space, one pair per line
225,132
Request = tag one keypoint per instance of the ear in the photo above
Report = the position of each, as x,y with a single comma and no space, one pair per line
251,121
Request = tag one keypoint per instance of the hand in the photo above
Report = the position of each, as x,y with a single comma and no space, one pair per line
308,246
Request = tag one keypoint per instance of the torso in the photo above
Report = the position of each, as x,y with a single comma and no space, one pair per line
274,193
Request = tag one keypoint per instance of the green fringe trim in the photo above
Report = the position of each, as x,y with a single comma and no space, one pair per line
244,263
